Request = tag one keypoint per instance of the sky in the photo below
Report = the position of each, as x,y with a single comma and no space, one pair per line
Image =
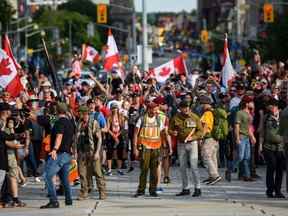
167,5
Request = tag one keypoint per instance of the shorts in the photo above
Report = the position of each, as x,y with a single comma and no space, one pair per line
113,150
12,165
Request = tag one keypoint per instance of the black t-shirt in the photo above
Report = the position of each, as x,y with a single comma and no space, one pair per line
44,121
116,84
65,127
3,150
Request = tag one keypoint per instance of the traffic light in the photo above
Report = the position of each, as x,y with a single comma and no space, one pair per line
102,13
268,13
204,36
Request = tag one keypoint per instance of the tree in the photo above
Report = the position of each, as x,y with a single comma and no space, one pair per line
6,12
84,7
274,45
62,19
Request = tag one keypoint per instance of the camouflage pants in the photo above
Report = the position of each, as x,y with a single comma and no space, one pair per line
149,160
87,168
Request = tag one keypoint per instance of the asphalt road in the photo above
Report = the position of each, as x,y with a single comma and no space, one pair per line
223,199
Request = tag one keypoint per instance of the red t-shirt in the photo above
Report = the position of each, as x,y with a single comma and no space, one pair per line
105,111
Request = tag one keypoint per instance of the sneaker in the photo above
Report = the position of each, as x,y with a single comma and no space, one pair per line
159,190
130,169
50,205
120,172
139,194
166,180
184,192
153,194
37,179
23,183
109,173
255,176
18,203
197,192
269,194
214,180
76,182
68,202
248,179
207,180
279,195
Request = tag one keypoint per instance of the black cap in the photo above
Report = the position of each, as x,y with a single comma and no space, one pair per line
184,103
4,107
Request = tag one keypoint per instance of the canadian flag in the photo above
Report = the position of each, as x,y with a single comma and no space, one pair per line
163,72
9,78
228,72
90,54
112,56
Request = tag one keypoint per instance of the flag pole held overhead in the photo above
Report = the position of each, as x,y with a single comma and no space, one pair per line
228,72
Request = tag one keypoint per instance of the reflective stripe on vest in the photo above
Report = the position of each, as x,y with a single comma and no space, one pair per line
150,134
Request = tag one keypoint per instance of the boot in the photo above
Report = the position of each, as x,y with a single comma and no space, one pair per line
197,192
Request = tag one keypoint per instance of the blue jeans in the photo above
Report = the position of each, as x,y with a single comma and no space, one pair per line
244,156
61,166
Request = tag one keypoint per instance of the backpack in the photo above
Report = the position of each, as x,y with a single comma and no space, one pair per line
220,127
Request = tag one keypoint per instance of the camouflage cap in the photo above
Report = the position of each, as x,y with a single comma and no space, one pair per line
83,109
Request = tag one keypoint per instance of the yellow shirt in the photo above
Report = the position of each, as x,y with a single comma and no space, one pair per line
207,121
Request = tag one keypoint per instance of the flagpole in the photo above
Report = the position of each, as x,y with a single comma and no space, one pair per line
52,68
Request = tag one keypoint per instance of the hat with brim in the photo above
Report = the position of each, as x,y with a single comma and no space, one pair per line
62,107
83,109
205,100
114,106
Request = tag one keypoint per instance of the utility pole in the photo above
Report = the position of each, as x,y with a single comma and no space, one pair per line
145,37
134,32
238,21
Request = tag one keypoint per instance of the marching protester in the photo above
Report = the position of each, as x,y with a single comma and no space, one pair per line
89,142
188,130
274,152
147,144
60,156
158,119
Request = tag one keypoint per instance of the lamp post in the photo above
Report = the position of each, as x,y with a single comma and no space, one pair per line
145,37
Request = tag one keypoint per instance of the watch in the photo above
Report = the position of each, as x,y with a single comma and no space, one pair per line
54,149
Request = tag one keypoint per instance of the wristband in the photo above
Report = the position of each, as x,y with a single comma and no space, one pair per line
54,149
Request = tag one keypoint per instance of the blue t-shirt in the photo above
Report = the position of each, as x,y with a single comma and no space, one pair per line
100,119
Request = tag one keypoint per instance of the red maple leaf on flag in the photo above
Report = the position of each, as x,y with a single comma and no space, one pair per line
165,71
4,67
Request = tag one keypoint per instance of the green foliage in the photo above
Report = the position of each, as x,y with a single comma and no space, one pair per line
84,7
6,13
62,19
275,45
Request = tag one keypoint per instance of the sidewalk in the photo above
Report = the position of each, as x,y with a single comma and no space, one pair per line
224,199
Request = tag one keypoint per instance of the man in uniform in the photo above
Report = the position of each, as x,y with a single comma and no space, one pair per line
89,141
147,139
187,128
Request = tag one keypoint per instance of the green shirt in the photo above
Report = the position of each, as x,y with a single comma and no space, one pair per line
243,119
184,125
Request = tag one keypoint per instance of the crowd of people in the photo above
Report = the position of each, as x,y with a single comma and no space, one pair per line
108,126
